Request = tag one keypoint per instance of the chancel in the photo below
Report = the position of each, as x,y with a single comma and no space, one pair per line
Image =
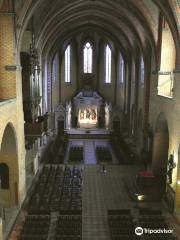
89,119
88,109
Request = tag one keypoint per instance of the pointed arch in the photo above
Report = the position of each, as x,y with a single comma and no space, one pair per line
142,71
108,64
9,166
68,64
88,57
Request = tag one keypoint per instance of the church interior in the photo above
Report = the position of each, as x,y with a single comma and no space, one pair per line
89,119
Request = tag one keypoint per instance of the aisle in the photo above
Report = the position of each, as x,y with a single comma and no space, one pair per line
100,193
89,152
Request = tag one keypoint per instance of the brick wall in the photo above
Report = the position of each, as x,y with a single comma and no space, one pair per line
7,57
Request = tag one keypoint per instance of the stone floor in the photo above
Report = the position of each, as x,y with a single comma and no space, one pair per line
102,192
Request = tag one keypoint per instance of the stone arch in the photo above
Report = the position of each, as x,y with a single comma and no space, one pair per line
160,146
9,157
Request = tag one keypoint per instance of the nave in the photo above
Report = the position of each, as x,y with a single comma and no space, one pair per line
91,87
73,202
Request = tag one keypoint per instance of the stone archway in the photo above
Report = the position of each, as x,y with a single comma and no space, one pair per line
9,158
160,146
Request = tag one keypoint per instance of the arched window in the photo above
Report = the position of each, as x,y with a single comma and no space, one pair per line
68,64
4,176
122,69
88,55
142,71
55,69
168,62
108,64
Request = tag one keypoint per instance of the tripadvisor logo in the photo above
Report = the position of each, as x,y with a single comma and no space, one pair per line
139,231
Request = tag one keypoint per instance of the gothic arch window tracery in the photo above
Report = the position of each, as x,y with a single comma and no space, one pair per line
142,71
88,57
122,69
68,64
108,60
167,62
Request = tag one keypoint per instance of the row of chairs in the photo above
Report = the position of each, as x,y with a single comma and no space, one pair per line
57,189
69,227
76,154
35,228
121,224
103,154
153,219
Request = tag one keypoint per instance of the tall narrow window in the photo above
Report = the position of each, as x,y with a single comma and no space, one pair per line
122,69
142,71
68,64
108,65
167,64
88,54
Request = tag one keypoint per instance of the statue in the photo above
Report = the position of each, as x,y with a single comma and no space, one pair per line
171,166
68,114
107,114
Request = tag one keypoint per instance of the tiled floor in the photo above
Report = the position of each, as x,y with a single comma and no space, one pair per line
89,152
100,193
103,192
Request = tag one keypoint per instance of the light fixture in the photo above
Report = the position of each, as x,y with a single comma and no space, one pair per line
178,182
140,197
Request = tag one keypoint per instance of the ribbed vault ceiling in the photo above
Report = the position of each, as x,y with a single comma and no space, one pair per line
131,23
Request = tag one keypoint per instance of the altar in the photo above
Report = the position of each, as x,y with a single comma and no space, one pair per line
87,109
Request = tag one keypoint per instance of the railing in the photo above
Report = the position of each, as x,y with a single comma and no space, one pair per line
165,84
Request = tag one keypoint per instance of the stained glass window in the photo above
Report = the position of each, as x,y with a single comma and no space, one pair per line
108,65
122,69
68,64
88,55
142,70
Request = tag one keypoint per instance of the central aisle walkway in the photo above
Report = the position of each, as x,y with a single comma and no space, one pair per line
100,193
89,152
